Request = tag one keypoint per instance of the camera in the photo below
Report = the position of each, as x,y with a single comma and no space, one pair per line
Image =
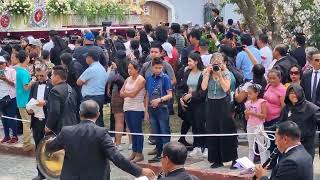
215,67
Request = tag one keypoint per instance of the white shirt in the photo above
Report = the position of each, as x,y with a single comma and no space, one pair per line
48,46
40,92
289,148
266,56
128,48
312,79
150,38
273,62
4,89
206,59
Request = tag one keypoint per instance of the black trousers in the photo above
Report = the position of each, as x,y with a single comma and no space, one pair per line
38,133
308,144
195,115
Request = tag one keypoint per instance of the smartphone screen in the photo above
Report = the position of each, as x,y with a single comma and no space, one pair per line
1,72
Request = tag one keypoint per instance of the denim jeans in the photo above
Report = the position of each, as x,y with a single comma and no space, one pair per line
134,122
100,100
159,118
9,109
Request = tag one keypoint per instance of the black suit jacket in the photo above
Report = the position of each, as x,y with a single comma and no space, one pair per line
300,55
306,85
88,149
296,164
34,92
179,174
62,111
283,65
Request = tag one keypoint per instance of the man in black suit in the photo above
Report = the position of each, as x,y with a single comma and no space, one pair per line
310,82
62,102
296,162
174,156
88,149
284,62
216,17
40,92
299,53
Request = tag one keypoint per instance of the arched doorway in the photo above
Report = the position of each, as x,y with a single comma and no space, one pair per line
156,13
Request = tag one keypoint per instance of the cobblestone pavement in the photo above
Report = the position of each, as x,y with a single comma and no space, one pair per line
13,167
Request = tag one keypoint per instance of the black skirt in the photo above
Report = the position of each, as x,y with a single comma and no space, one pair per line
219,121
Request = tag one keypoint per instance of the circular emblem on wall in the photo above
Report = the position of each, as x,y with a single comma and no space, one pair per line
5,21
38,15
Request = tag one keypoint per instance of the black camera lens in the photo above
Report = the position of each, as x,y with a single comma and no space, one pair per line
215,68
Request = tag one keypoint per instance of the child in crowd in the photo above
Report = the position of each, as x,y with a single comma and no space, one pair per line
255,113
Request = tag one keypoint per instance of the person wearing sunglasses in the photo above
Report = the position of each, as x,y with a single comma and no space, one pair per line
310,81
40,92
295,74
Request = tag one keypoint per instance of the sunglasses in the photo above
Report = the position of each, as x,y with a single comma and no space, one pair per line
294,72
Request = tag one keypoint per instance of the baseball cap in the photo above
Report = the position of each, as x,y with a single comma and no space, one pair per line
168,48
203,43
89,36
94,54
35,42
2,59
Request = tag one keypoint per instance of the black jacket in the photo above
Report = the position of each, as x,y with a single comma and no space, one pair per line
296,164
88,149
75,69
62,107
215,21
300,55
179,174
305,114
199,95
283,65
306,85
33,94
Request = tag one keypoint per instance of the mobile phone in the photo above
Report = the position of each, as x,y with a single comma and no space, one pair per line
1,72
167,24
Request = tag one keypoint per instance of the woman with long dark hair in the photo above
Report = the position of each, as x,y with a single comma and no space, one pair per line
59,46
193,102
295,75
144,42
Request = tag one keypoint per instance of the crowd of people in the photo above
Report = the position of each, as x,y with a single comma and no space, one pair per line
221,77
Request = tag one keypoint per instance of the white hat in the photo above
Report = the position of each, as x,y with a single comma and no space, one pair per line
2,59
35,42
168,48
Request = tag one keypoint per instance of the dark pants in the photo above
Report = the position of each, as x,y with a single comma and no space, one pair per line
100,100
308,144
38,133
195,114
9,109
159,118
134,121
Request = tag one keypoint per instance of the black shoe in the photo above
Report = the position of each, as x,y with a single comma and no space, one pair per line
155,159
152,141
232,165
216,165
184,142
39,177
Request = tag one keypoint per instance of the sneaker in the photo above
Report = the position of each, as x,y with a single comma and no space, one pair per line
205,153
5,139
151,140
196,152
130,147
155,159
119,147
13,140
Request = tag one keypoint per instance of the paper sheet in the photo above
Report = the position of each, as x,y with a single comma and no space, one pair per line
38,111
245,163
141,178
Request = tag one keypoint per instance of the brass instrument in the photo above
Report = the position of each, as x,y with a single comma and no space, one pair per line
49,164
